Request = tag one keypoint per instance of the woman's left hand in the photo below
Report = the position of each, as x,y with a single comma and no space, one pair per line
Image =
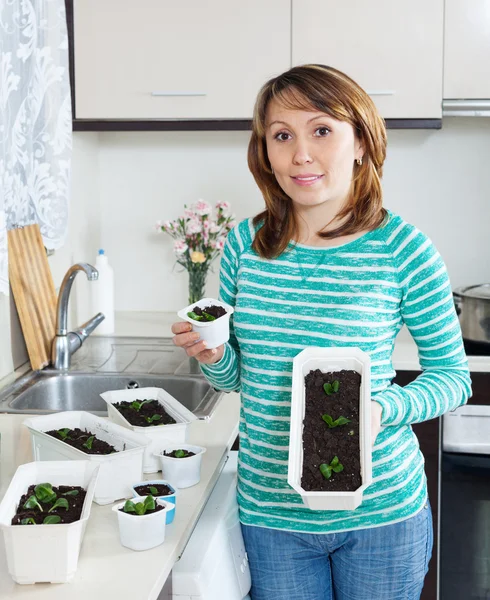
376,411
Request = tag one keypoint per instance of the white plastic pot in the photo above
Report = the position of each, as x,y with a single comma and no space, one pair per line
214,333
157,435
142,532
168,498
182,472
117,471
329,360
46,553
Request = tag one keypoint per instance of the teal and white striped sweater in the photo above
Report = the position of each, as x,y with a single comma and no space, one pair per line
357,294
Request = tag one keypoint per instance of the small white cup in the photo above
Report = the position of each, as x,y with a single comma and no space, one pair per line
142,532
214,333
182,472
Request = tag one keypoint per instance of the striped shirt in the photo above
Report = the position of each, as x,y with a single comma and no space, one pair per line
356,294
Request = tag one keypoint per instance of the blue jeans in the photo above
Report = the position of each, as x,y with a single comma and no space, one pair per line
382,563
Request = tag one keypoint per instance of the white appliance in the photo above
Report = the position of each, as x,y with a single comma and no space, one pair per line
214,565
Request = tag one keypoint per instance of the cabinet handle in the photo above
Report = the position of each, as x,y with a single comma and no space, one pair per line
381,92
178,94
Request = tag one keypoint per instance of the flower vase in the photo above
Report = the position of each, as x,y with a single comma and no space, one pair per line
197,281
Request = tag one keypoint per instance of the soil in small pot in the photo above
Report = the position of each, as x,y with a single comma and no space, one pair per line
214,311
173,454
161,488
82,440
73,513
321,443
144,413
158,508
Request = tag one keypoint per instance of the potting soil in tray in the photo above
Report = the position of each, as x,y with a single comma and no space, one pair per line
162,490
146,415
77,438
322,443
213,310
75,505
187,453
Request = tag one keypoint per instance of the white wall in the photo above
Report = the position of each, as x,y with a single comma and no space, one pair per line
437,180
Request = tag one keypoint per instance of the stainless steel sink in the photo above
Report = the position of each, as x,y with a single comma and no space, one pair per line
42,392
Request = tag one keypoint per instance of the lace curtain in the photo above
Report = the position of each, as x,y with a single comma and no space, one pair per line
35,121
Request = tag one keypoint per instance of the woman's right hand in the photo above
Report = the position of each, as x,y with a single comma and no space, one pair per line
186,338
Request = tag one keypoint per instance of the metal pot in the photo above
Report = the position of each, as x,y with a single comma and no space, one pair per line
473,308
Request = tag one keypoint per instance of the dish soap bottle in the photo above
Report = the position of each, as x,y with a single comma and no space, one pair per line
102,290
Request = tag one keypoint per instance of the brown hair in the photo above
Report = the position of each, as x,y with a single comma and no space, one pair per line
322,88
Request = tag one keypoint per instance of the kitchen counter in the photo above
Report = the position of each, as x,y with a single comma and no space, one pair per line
158,324
106,569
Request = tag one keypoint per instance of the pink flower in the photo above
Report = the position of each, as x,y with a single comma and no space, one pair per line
158,225
189,214
193,227
220,244
205,225
201,208
224,207
180,247
214,228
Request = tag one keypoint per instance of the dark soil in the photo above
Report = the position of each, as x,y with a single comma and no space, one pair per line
67,516
144,490
157,508
77,438
138,417
172,454
213,310
322,443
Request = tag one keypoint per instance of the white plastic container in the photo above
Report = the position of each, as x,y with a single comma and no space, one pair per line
182,472
158,435
214,333
46,553
168,498
329,360
142,532
102,294
118,471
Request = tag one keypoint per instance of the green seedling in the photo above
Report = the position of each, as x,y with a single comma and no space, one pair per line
60,503
64,433
153,491
137,404
88,444
331,423
139,508
334,467
331,388
52,520
44,492
204,317
153,418
32,502
29,521
71,493
180,454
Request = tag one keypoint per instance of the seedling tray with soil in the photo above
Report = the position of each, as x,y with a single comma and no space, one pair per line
331,432
330,429
85,441
44,504
144,413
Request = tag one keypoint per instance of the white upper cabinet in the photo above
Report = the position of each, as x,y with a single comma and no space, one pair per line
161,59
467,49
392,48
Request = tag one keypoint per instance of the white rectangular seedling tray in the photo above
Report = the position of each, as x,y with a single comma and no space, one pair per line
329,360
46,553
118,471
158,435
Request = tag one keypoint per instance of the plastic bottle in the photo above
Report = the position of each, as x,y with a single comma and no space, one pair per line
102,291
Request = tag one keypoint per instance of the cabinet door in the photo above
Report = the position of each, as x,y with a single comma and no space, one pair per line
158,59
393,49
467,49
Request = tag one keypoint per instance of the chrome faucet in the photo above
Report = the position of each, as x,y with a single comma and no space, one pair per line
65,344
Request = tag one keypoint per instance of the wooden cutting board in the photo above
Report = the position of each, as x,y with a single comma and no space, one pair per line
34,292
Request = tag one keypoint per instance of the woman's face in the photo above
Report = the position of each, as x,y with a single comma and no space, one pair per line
312,155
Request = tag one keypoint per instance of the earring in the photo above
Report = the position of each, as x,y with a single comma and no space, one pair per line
359,161
272,170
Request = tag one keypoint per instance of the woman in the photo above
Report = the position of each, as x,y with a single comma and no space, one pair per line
326,265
